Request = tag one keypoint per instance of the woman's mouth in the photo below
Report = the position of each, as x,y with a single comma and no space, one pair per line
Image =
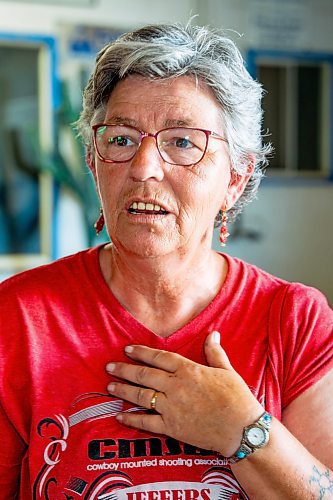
139,208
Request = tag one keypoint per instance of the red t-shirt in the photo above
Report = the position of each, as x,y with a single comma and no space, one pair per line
60,325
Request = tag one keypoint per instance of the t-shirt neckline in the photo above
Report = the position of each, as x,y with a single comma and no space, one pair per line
136,331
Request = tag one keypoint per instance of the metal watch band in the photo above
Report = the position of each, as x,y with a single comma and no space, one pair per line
264,422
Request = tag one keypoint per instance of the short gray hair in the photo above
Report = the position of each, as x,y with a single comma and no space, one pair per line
171,50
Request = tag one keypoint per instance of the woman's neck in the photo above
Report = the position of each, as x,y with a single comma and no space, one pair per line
163,293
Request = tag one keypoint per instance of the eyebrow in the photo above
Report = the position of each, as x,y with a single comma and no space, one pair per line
170,122
178,123
118,120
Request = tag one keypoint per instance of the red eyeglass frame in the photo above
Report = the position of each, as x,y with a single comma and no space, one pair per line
208,133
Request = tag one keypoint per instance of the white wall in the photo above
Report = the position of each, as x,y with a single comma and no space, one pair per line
45,19
295,219
288,231
289,24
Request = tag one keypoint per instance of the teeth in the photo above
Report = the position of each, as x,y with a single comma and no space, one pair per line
145,206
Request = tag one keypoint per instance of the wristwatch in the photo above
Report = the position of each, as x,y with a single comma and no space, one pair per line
255,436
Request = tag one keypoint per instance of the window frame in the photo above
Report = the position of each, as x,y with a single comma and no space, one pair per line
276,57
49,101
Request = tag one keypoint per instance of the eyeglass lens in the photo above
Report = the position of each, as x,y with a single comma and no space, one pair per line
180,146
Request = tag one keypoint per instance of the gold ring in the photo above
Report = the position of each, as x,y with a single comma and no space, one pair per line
153,401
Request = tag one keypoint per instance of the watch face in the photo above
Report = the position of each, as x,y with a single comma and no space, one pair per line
256,436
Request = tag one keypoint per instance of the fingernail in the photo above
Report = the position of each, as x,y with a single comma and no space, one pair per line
111,387
216,337
110,367
119,417
129,349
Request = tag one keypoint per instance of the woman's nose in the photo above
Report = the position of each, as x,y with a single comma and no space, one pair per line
147,162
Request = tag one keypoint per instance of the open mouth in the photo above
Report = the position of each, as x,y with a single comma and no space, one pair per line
146,208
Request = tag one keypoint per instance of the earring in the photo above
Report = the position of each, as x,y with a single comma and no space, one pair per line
99,224
224,229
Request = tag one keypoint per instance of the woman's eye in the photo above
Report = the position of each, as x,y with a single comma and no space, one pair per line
183,142
120,140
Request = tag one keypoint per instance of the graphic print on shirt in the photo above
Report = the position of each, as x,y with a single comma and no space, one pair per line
89,455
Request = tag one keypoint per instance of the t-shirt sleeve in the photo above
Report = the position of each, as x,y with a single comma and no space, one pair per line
12,450
13,447
306,333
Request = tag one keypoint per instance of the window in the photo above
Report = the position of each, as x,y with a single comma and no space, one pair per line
297,113
25,121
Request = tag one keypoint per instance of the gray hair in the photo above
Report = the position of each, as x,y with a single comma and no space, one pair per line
170,50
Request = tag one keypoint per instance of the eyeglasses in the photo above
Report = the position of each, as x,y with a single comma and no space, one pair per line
182,146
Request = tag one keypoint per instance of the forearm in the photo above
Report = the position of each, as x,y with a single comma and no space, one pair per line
284,469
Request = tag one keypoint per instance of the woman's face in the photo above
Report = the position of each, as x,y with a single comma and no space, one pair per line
189,197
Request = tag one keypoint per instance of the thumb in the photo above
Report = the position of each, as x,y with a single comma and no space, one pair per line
215,355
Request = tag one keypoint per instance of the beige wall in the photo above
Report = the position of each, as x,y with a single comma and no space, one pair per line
294,226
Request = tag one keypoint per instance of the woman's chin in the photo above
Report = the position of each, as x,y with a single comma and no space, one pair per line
150,246
145,240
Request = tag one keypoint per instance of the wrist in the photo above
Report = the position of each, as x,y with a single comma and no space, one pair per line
255,436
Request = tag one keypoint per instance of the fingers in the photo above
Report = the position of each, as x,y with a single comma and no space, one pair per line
158,364
154,373
215,354
149,423
140,396
168,361
139,374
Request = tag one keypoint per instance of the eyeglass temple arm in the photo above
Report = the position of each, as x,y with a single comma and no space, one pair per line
217,136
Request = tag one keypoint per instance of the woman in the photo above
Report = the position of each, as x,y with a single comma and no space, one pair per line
153,367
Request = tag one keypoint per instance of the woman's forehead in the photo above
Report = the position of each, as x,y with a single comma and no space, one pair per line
135,82
178,101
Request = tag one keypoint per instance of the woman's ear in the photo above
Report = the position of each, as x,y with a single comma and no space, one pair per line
238,183
91,164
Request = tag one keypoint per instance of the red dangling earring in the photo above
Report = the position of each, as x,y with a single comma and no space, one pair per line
224,229
99,224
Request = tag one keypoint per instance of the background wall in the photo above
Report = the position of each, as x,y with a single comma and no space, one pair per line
288,230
